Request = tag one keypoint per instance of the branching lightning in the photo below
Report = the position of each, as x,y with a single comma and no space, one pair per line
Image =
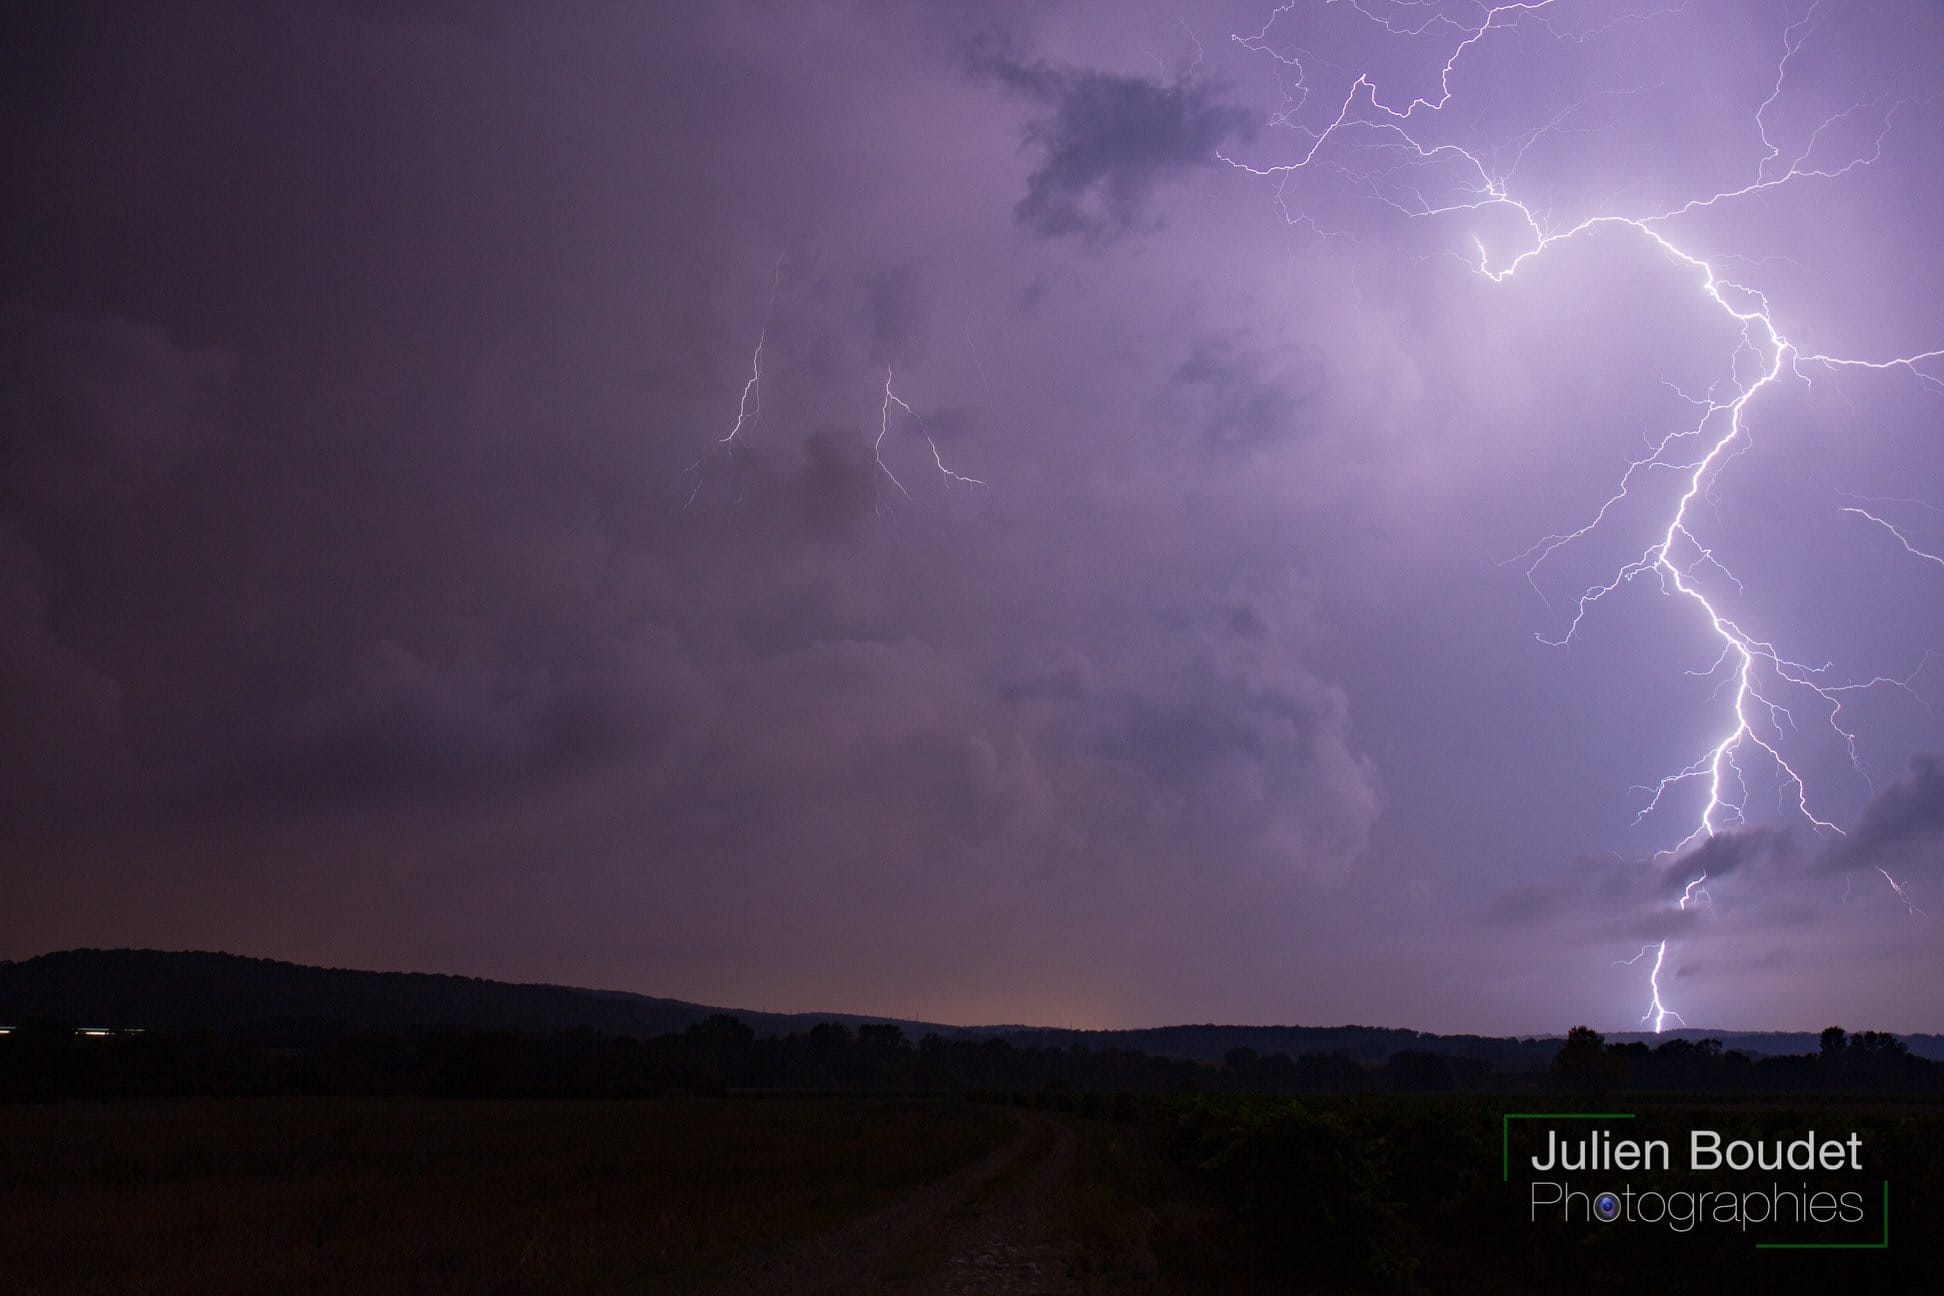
1377,141
749,408
884,429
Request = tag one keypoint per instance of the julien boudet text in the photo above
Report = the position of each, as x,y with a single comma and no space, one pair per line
1706,1150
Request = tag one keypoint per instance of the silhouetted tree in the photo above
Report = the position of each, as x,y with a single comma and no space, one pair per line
1582,1065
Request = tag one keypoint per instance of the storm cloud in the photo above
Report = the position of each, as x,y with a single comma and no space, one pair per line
1903,825
1107,142
854,506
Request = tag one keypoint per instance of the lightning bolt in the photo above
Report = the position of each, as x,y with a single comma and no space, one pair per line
884,430
1696,893
751,403
1657,1011
749,406
1902,895
1759,678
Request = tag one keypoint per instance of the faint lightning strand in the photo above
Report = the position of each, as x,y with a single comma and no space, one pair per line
1901,894
947,473
749,408
750,405
1902,539
884,429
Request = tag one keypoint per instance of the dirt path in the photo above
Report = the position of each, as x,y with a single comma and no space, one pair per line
994,1227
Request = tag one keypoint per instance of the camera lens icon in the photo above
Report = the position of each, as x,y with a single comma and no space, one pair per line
1607,1207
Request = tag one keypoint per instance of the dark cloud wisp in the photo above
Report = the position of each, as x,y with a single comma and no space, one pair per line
1107,142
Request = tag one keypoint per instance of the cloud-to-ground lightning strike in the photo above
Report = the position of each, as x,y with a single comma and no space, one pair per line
1657,1012
1760,677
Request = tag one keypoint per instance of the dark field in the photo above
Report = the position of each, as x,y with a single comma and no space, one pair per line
318,1195
1050,1193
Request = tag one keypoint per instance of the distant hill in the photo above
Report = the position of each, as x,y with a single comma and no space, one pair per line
175,991
168,990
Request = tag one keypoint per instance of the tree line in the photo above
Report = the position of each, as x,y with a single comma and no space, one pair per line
1864,1062
47,1060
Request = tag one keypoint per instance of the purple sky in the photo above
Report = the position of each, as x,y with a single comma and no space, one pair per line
376,590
